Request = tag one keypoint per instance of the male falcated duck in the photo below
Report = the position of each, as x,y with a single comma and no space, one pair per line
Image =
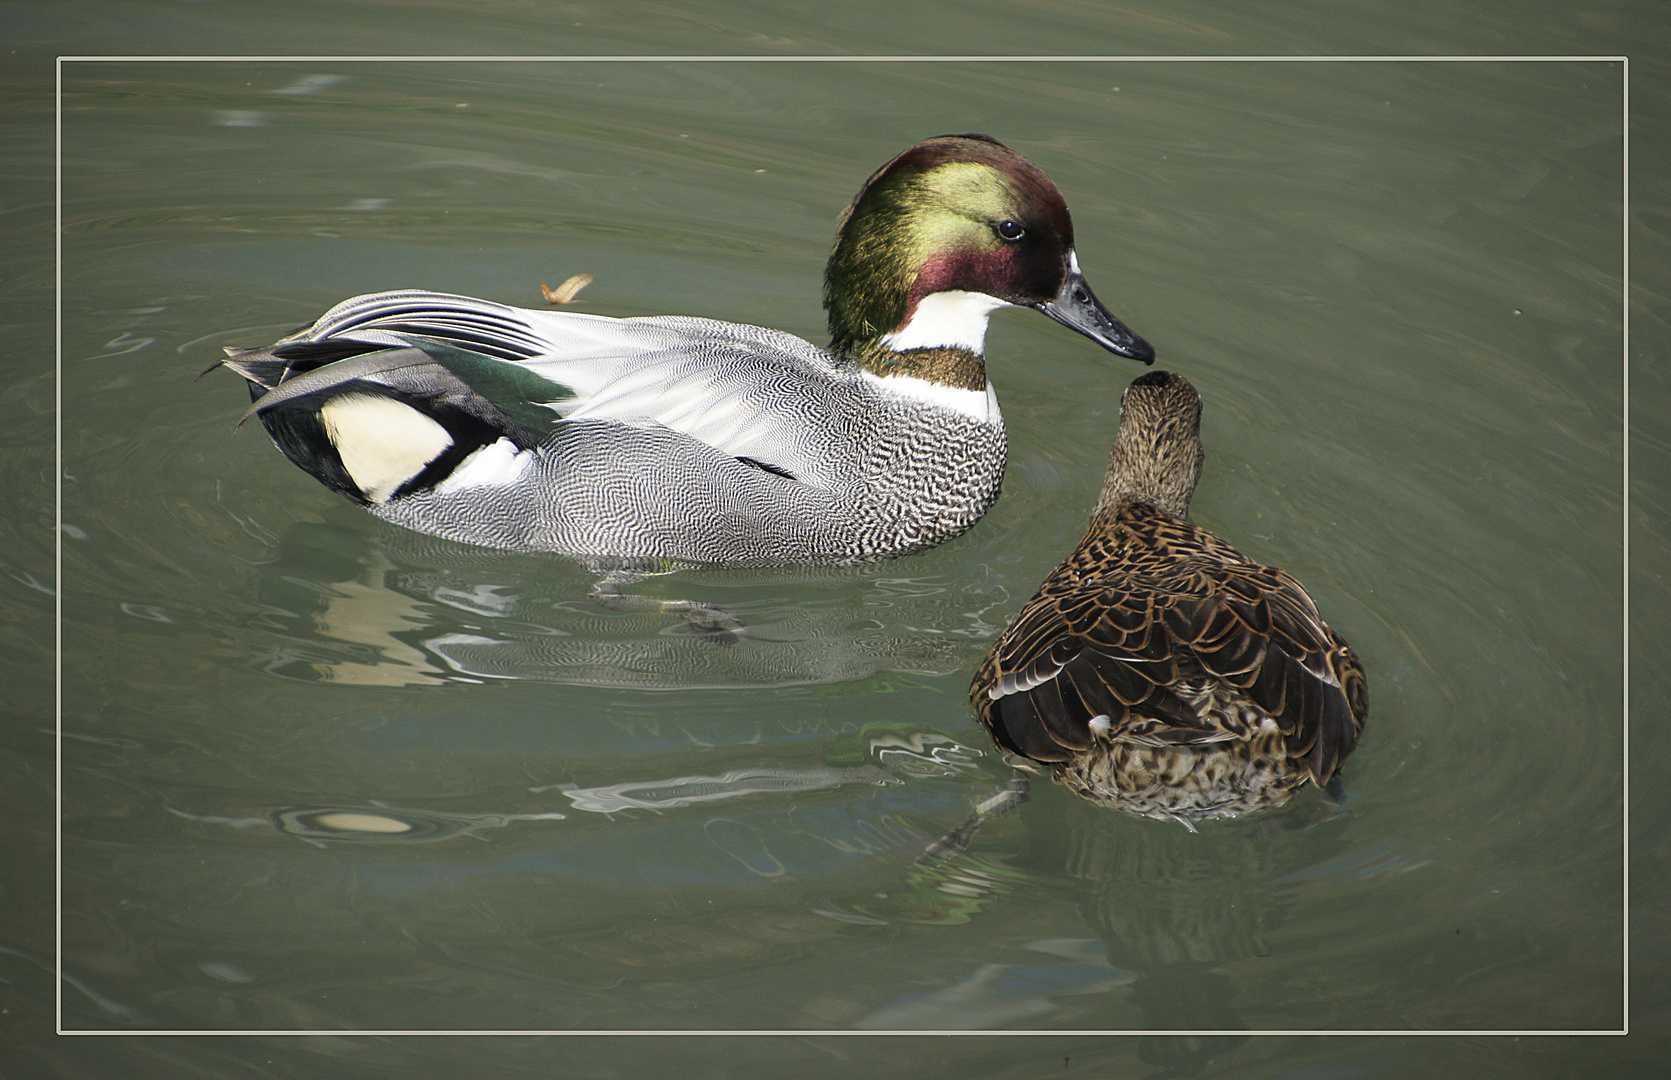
1159,670
697,441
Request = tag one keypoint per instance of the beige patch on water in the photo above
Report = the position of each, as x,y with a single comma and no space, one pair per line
349,821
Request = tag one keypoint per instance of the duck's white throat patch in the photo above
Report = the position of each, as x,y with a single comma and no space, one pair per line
950,319
978,405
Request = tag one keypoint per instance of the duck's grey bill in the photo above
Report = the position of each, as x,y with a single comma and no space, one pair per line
1077,307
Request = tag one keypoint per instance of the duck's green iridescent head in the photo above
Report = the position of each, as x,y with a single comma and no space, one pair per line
946,232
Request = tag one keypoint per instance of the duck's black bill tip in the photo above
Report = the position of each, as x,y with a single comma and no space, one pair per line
1078,308
1140,350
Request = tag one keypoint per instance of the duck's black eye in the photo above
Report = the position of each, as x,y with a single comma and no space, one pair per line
1009,230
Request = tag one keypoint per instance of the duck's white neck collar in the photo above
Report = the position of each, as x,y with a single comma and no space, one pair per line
980,406
953,319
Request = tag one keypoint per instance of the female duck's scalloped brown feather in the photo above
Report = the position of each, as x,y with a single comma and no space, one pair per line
1159,670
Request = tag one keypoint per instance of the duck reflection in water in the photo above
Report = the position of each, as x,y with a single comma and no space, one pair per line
1193,918
402,609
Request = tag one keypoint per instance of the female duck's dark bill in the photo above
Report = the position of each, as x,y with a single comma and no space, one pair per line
1078,308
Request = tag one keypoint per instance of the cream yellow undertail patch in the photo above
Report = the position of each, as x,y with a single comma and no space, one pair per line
382,442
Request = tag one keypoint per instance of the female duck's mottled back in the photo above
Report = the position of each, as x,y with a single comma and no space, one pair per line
1159,670
695,440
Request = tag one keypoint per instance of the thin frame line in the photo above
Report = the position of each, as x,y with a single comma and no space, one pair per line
801,59
58,537
1624,591
851,1033
846,59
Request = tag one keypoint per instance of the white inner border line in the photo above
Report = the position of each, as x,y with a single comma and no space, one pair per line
1624,530
1344,59
58,540
1625,410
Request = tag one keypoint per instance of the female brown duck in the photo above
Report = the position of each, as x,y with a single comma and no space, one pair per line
1159,670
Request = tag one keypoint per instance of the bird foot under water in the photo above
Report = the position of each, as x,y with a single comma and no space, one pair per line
710,622
958,840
